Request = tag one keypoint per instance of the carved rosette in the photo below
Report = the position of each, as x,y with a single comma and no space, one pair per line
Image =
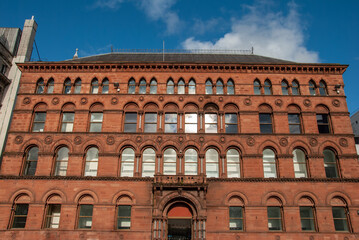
221,99
307,102
180,139
141,98
283,142
223,139
110,140
83,100
201,139
78,140
251,141
343,142
313,142
278,102
159,139
55,100
336,103
48,139
181,99
200,99
161,98
247,102
26,100
18,139
114,100
138,139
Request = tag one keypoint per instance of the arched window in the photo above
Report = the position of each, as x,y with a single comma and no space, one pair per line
96,117
85,212
67,86
312,88
53,212
323,119
191,118
170,122
209,87
294,119
181,87
68,117
39,118
192,87
219,87
50,85
91,162
285,88
330,164
265,119
127,162
143,86
341,216
230,87
233,164
61,160
148,163
19,211
212,168
300,164
275,214
31,158
295,88
190,162
94,86
257,87
323,88
170,87
105,86
77,86
307,216
211,118
231,122
153,86
131,86
267,87
169,162
269,164
40,86
124,203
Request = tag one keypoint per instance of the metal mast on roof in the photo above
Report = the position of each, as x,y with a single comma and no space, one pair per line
163,51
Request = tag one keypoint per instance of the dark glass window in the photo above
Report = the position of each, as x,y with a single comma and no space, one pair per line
171,122
39,122
131,86
236,218
307,218
143,86
274,218
323,123
50,86
130,122
312,88
150,122
322,89
257,87
285,88
124,217
40,87
340,217
231,123
209,89
267,87
265,122
85,216
105,86
294,123
31,161
96,122
295,88
330,164
67,87
94,86
52,219
20,216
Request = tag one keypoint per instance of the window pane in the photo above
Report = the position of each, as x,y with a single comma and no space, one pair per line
191,123
274,219
209,87
95,127
124,211
20,215
294,129
265,118
231,128
53,216
274,212
235,212
131,117
192,87
340,219
210,118
38,127
191,162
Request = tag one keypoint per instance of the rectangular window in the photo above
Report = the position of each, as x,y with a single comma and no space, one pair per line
150,122
20,216
191,122
231,123
96,122
130,122
323,123
67,122
265,123
210,120
307,218
294,123
39,122
124,217
85,216
171,122
340,217
274,218
53,216
236,218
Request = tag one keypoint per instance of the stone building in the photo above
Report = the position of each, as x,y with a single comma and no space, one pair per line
355,125
180,146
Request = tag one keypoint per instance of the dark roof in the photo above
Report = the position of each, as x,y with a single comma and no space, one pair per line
177,58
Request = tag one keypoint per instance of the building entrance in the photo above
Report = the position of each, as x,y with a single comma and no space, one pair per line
179,229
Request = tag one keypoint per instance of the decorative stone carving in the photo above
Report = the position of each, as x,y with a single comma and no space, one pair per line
55,100
283,142
83,100
251,141
141,98
114,100
278,102
336,103
247,102
180,139
200,99
159,139
18,139
223,139
343,142
78,140
161,98
221,99
110,140
181,99
201,139
313,142
26,100
307,102
138,139
48,139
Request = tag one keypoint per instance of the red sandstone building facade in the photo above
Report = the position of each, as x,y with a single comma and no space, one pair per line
193,146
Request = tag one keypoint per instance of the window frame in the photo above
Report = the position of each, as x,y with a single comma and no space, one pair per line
131,86
301,163
126,162
263,124
26,164
49,217
148,161
333,164
34,121
50,86
170,163
181,85
296,86
67,89
190,163
188,124
93,123
299,123
166,123
270,163
267,87
192,86
323,91
129,122
214,163
15,216
285,88
312,88
319,124
208,87
146,123
56,161
105,86
312,219
276,218
236,218
85,216
87,171
347,218
95,86
142,86
208,124
230,87
236,163
257,87
77,86
153,86
170,86
66,122
220,87
230,124
118,217
40,86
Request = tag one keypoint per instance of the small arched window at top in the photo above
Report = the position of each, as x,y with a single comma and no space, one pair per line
142,86
40,87
257,87
209,87
219,87
295,88
50,85
285,88
153,86
105,86
131,86
192,87
323,88
181,87
312,88
267,87
230,87
94,86
77,86
170,87
67,86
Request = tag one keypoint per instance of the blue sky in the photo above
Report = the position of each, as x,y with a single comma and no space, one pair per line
325,31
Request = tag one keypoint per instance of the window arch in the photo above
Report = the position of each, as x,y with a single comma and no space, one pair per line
39,118
257,87
181,88
61,160
153,86
127,162
295,88
96,117
285,88
148,162
105,86
269,163
31,157
50,85
267,87
191,162
169,162
212,167
94,86
40,86
330,164
233,164
68,117
67,86
170,86
131,86
323,88
77,85
192,86
143,86
230,87
219,87
312,88
300,163
91,162
209,87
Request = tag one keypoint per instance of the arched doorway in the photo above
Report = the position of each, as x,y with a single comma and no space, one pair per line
179,223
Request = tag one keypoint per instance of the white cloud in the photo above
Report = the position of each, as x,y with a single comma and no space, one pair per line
271,34
113,4
201,27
